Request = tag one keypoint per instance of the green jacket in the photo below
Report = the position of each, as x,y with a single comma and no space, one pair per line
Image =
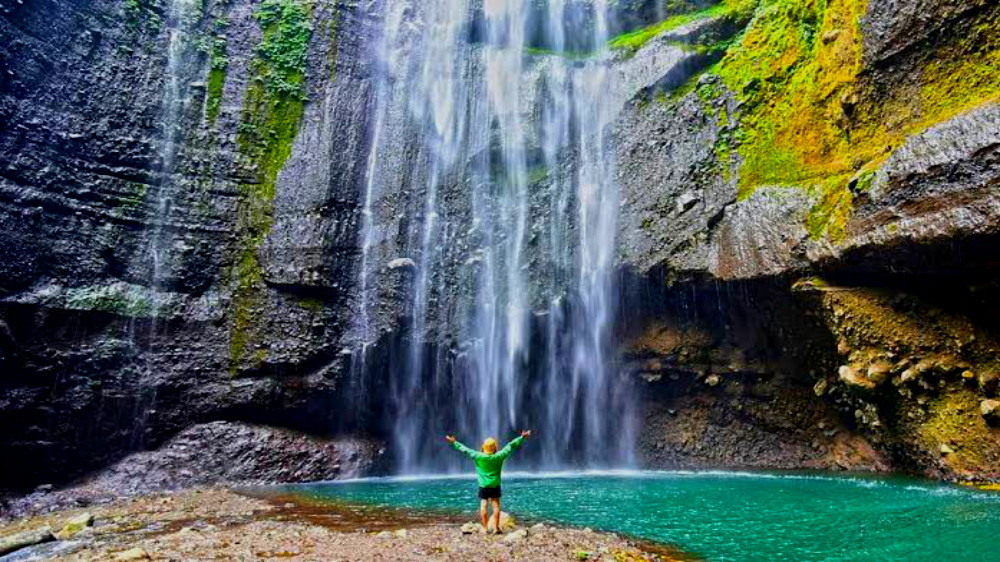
488,467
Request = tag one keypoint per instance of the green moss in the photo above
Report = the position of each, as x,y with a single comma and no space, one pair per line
574,55
218,64
864,182
285,45
632,41
689,85
782,74
111,299
137,198
954,420
811,118
273,109
332,41
538,174
723,148
213,94
313,304
142,16
828,216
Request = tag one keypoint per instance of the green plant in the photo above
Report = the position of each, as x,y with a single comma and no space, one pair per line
273,109
284,48
141,16
216,78
634,40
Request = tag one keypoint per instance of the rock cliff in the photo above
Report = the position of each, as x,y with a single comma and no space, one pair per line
809,199
856,142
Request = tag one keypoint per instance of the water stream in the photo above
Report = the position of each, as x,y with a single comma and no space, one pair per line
522,137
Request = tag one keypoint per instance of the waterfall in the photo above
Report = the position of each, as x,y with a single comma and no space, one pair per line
178,74
510,230
180,70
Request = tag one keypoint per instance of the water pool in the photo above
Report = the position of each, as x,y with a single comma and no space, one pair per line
727,515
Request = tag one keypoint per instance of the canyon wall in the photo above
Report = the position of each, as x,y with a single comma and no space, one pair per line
819,205
809,199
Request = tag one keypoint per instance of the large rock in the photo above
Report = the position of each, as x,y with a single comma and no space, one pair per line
11,543
990,409
74,526
226,452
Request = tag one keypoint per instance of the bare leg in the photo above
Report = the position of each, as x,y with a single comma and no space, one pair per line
482,514
496,515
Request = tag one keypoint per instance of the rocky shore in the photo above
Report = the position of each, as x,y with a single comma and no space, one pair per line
220,524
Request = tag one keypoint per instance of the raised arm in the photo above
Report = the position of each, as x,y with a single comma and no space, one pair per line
462,448
509,448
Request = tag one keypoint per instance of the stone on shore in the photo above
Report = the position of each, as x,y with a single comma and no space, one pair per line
25,539
132,554
516,536
471,528
74,526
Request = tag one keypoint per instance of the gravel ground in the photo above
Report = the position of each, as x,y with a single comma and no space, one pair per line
223,525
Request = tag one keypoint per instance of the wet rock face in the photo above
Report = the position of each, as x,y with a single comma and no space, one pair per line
897,25
121,316
146,287
727,375
701,196
901,229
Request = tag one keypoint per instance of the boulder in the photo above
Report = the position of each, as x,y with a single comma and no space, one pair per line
11,543
74,526
471,528
516,536
988,382
402,263
820,387
852,376
132,554
990,409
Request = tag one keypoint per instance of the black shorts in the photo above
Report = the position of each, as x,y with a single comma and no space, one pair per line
487,493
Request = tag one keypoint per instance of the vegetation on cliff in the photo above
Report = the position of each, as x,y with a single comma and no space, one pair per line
814,116
818,113
218,64
273,109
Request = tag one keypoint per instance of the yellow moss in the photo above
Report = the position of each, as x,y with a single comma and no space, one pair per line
828,217
954,420
811,119
796,62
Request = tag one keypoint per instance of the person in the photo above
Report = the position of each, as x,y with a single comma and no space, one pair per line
489,463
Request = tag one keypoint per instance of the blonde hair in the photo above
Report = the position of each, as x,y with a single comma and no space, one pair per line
490,446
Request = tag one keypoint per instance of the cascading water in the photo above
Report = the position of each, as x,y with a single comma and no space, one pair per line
521,136
180,71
